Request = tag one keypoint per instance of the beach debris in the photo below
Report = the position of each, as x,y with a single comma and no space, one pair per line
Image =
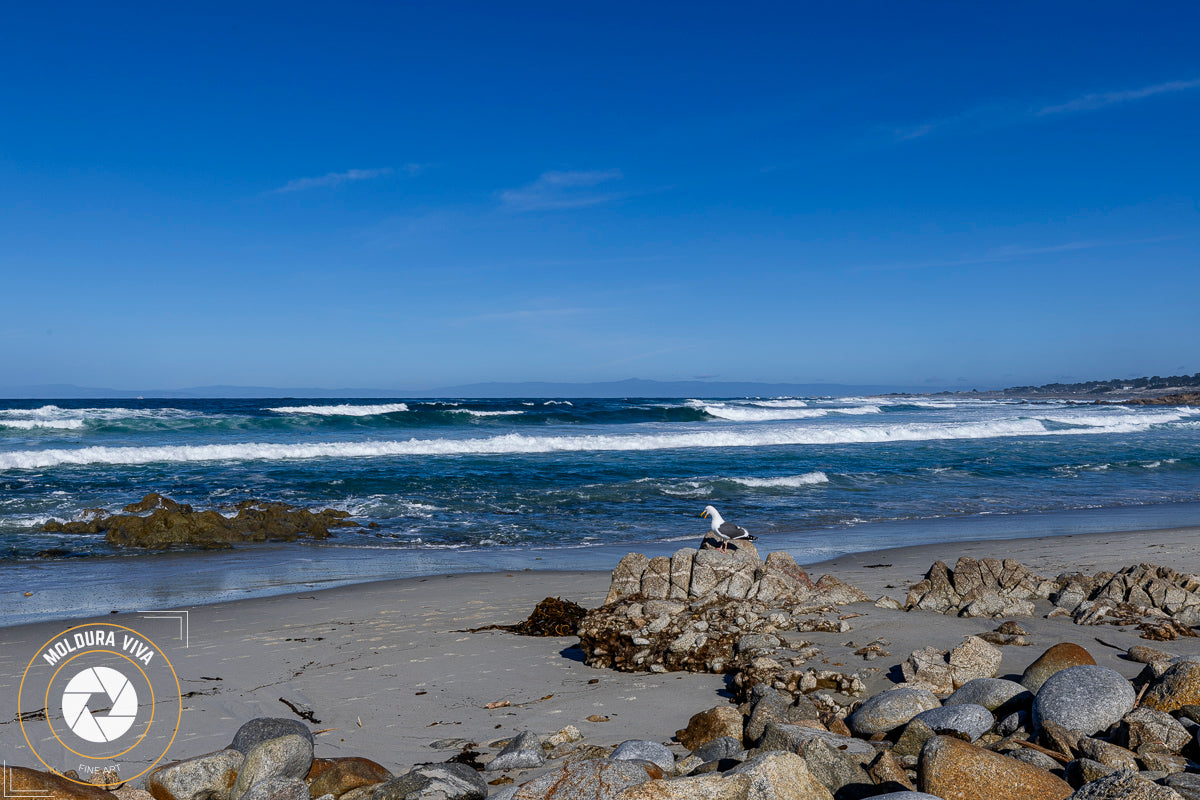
498,704
169,524
551,617
301,710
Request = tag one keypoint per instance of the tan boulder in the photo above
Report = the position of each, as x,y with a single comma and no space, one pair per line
1179,686
21,781
712,724
954,770
1055,659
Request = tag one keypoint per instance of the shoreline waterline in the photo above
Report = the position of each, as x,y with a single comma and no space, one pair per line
73,588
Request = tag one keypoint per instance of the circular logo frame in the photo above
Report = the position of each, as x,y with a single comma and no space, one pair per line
108,652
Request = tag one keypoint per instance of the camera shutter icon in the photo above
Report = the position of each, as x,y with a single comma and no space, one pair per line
101,687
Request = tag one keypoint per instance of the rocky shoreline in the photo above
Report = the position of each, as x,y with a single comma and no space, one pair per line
943,723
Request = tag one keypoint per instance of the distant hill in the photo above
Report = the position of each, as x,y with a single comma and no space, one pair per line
1130,387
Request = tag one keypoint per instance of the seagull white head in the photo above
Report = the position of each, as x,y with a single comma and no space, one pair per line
709,511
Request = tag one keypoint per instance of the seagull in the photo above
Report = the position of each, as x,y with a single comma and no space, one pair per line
726,531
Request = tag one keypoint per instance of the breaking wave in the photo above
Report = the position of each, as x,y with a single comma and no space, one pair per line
522,444
343,410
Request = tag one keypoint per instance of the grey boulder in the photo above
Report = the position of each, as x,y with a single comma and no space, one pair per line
1086,698
645,750
524,751
967,718
448,781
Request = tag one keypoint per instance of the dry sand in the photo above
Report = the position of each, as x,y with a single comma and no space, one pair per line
387,669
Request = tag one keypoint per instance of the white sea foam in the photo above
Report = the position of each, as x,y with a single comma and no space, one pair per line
484,413
30,424
558,403
789,481
857,410
781,403
747,414
343,410
768,436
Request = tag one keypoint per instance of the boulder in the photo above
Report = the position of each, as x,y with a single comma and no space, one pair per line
278,789
700,787
645,750
594,779
449,781
838,771
32,783
211,775
717,749
714,723
1058,657
261,729
523,751
796,738
994,694
889,710
1123,785
1088,699
780,776
954,770
968,719
1145,726
344,774
1177,687
288,756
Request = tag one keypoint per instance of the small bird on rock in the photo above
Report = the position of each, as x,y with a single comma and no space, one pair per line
726,531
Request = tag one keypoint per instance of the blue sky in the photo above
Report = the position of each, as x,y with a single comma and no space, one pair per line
415,194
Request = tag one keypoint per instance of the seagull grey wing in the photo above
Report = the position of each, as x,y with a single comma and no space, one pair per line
731,531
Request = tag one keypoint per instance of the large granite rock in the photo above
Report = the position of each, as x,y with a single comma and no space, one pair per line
645,750
1057,657
995,694
523,751
967,719
198,778
341,775
170,523
985,588
1124,785
1179,686
780,776
1088,699
891,709
260,729
288,756
715,723
954,770
706,611
434,782
595,779
942,672
34,784
699,787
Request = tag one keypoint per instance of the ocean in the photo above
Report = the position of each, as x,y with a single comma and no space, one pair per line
458,485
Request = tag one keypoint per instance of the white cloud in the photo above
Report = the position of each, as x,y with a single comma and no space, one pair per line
556,190
1090,102
1002,114
338,178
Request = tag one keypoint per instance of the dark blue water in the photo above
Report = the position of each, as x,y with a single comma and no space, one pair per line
468,484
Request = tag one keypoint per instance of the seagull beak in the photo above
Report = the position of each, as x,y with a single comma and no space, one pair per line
704,513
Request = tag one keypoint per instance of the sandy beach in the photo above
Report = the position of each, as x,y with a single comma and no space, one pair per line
388,669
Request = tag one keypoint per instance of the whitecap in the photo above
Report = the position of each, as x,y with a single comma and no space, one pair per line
788,481
343,410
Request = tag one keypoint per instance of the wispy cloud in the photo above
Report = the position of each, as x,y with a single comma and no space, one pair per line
565,189
993,115
1091,102
1000,255
332,179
